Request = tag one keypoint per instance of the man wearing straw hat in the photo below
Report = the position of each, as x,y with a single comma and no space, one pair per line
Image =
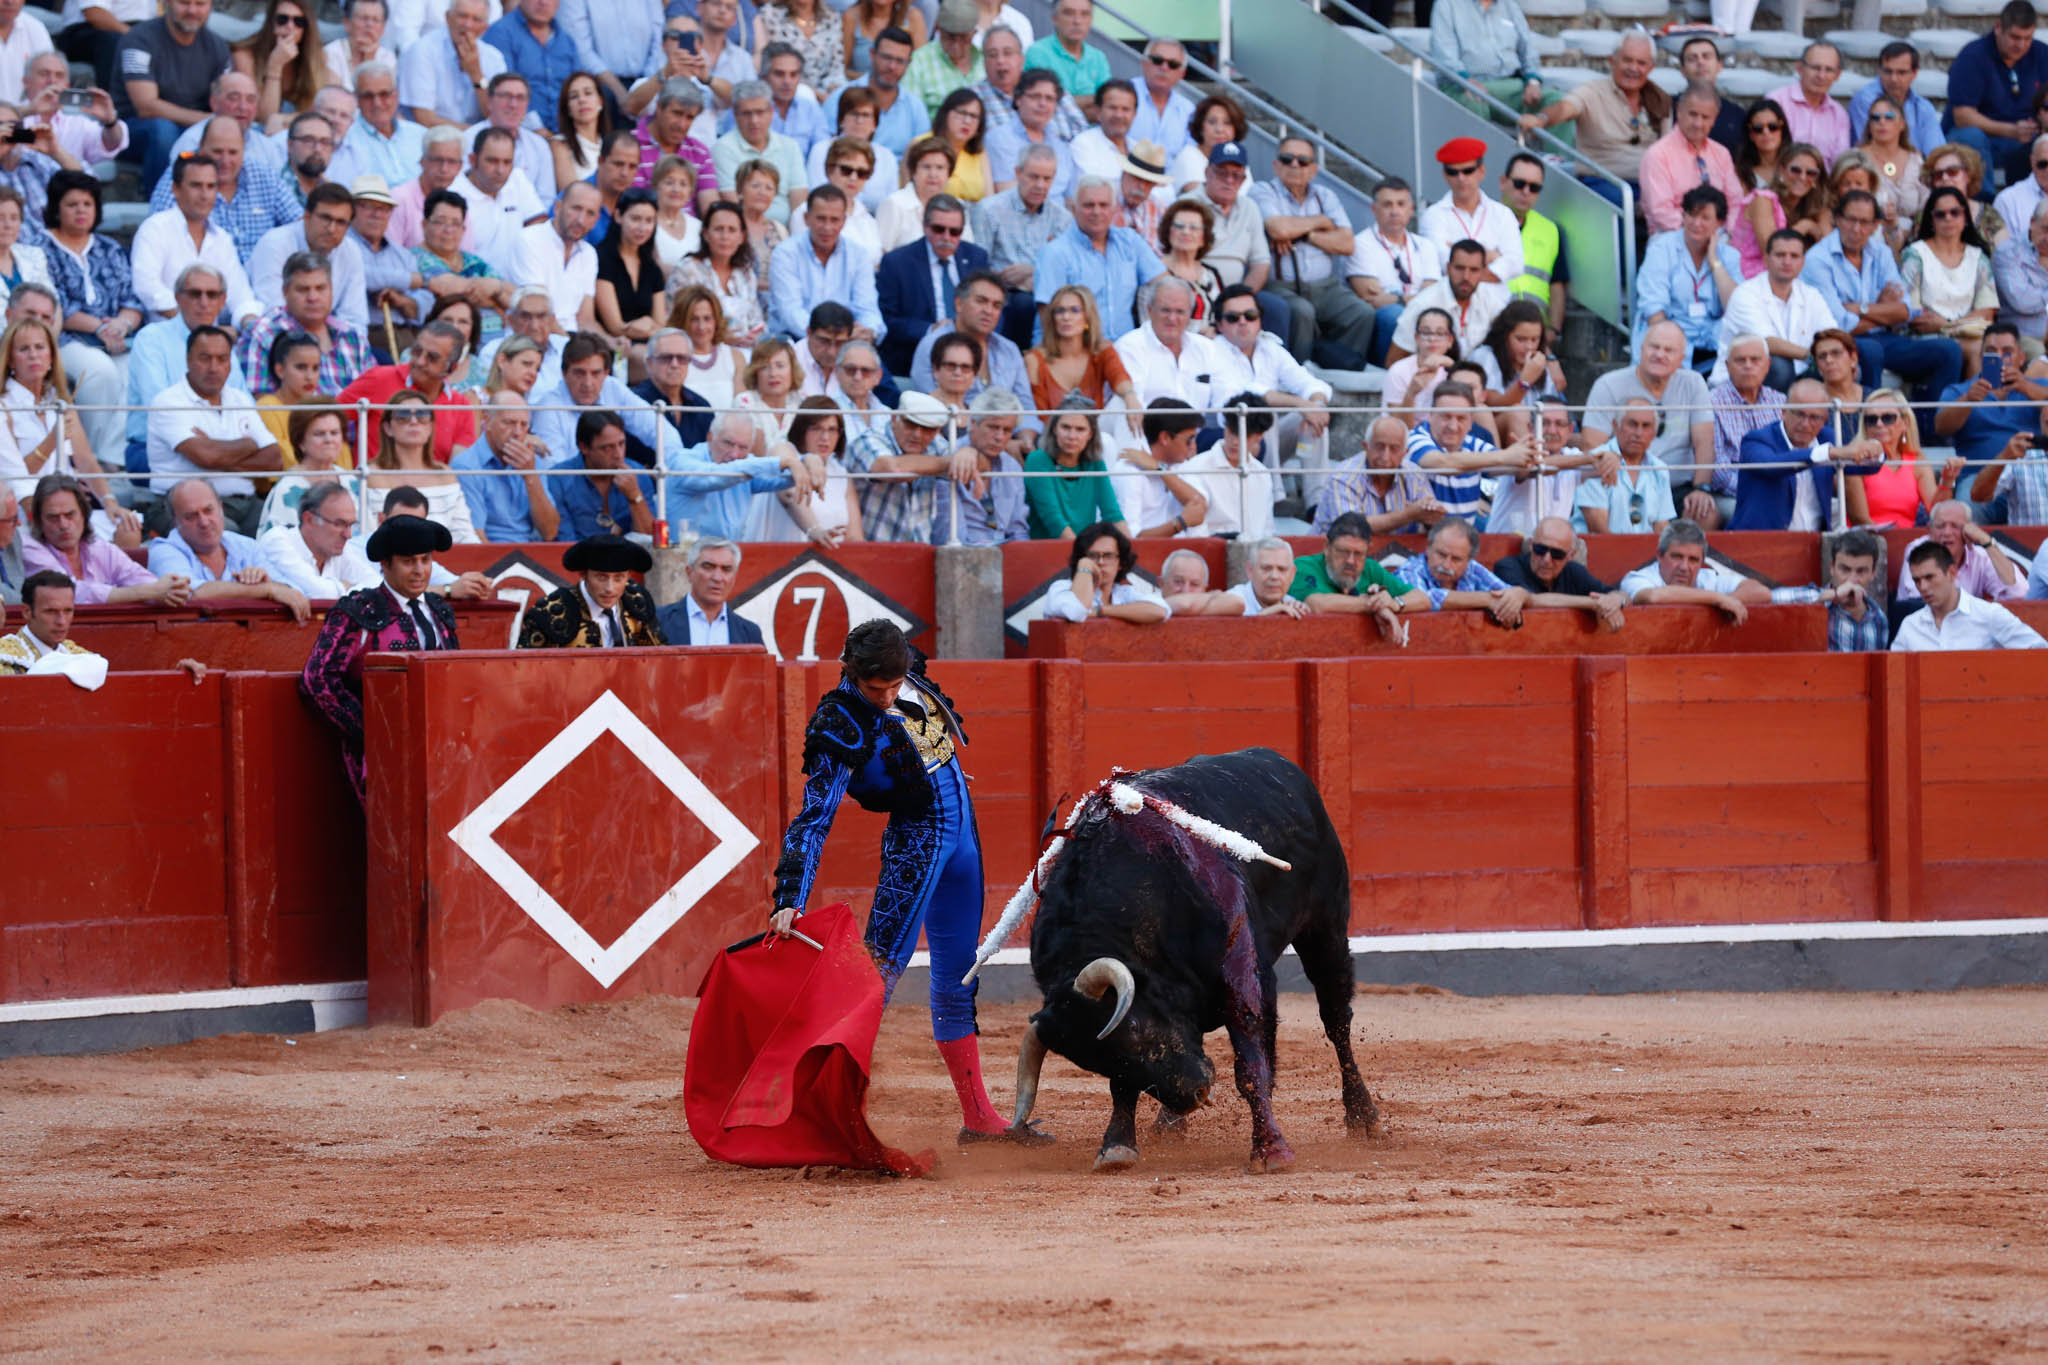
1142,195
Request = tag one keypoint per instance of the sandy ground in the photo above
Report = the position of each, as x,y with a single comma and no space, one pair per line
1650,1178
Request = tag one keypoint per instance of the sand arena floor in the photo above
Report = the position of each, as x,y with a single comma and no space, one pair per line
1648,1178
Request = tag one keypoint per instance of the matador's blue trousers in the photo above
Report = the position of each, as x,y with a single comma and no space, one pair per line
931,878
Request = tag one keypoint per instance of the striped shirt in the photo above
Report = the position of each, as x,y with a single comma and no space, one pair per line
1458,492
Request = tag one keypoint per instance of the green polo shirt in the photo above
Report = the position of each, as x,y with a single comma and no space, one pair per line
1311,577
1081,77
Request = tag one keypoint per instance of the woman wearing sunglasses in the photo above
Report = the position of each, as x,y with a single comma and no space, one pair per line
405,456
1896,494
1797,198
287,62
1900,193
1947,273
1957,165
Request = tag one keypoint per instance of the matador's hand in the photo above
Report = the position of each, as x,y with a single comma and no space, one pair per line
779,923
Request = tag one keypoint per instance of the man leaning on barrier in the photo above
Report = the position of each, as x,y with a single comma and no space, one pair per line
1382,484
1680,574
318,556
711,487
605,609
1269,571
1549,570
1450,575
1854,597
1345,578
216,561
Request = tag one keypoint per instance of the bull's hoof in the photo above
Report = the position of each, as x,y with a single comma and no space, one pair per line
1367,1126
1170,1125
1117,1158
1278,1157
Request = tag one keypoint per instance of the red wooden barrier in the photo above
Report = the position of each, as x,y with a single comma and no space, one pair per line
181,837
1649,630
174,837
553,826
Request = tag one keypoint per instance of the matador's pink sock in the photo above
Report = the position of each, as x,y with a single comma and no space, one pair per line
963,1063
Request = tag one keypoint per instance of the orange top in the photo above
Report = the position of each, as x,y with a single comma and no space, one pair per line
1105,373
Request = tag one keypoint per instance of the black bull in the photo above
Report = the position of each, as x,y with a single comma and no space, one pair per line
1157,933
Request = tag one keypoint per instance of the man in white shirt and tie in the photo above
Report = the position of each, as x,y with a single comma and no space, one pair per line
703,618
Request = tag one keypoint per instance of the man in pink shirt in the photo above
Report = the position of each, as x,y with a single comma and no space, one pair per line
1810,111
1685,157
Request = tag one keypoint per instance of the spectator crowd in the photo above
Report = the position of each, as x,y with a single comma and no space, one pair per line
840,272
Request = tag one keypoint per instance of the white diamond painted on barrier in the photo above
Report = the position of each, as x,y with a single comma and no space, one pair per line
475,835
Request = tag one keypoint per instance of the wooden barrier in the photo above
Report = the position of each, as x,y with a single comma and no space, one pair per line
171,837
557,825
1649,630
181,837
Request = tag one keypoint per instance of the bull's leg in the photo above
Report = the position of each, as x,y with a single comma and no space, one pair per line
1120,1140
1270,1151
1326,961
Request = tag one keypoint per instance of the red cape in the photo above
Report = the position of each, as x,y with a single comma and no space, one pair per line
777,1068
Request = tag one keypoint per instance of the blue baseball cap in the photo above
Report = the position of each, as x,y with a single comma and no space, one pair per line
1227,154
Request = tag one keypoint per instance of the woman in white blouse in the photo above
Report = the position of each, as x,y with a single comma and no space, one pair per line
1947,273
900,220
40,434
1099,582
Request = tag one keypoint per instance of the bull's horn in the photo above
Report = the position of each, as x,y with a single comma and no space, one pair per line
1103,974
1030,1060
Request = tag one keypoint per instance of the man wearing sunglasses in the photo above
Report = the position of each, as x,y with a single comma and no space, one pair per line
1250,359
1548,571
1311,239
1164,110
1468,214
1992,88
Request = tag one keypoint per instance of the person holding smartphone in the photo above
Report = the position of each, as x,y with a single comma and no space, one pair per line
83,121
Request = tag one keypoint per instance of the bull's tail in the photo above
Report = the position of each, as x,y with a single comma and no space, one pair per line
1127,800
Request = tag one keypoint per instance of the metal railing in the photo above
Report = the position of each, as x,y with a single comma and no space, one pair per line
950,437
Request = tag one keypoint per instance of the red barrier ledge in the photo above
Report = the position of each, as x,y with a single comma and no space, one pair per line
1650,630
232,636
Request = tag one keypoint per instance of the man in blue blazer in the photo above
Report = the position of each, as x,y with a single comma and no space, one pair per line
702,618
915,283
1796,499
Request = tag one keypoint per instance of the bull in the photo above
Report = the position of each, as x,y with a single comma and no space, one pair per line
1161,911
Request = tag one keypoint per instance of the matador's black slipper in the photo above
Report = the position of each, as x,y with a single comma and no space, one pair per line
1030,1135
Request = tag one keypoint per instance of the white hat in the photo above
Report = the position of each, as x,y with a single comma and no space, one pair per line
923,410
